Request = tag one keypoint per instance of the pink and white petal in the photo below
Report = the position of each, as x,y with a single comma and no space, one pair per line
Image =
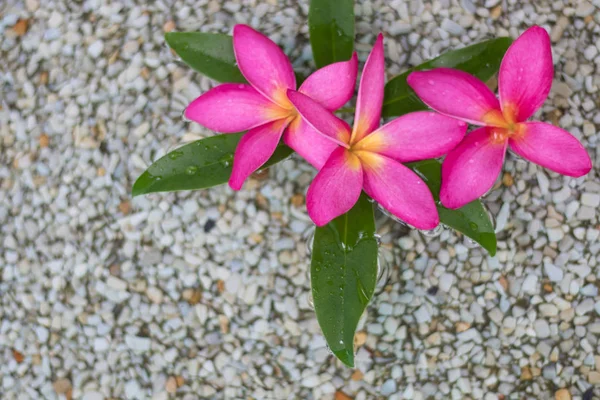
552,148
253,150
455,93
332,86
471,169
370,93
321,119
310,144
336,188
233,107
416,136
263,63
399,190
526,73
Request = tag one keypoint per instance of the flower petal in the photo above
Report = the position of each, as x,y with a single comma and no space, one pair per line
232,107
263,63
370,93
552,148
471,169
526,74
336,188
320,118
456,94
254,149
415,136
399,190
310,144
332,86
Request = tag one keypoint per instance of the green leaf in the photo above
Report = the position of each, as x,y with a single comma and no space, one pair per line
472,220
343,275
481,59
198,165
331,29
210,54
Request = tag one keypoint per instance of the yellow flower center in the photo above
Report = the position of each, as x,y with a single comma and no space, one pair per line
503,125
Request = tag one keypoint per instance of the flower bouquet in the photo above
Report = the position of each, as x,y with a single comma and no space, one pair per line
424,165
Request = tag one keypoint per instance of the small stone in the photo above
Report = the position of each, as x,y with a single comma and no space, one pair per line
154,294
62,386
422,315
297,200
18,356
584,8
590,52
562,394
562,195
554,273
101,344
339,395
507,179
44,140
360,338
93,396
20,28
137,343
357,375
509,325
558,28
445,282
585,306
590,199
555,234
169,26
594,378
142,129
310,381
125,207
42,334
388,387
171,385
530,284
192,296
496,12
32,5
526,374
95,49
462,326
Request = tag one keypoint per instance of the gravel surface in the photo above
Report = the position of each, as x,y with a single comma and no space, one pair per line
205,294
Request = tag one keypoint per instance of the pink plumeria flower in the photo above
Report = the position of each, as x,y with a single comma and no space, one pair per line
263,108
524,82
369,157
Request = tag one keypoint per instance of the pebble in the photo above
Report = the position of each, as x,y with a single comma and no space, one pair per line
93,396
590,199
554,273
95,49
388,387
137,343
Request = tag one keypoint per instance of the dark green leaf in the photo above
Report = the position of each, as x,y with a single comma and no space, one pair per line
198,165
343,275
481,59
210,54
472,220
331,29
